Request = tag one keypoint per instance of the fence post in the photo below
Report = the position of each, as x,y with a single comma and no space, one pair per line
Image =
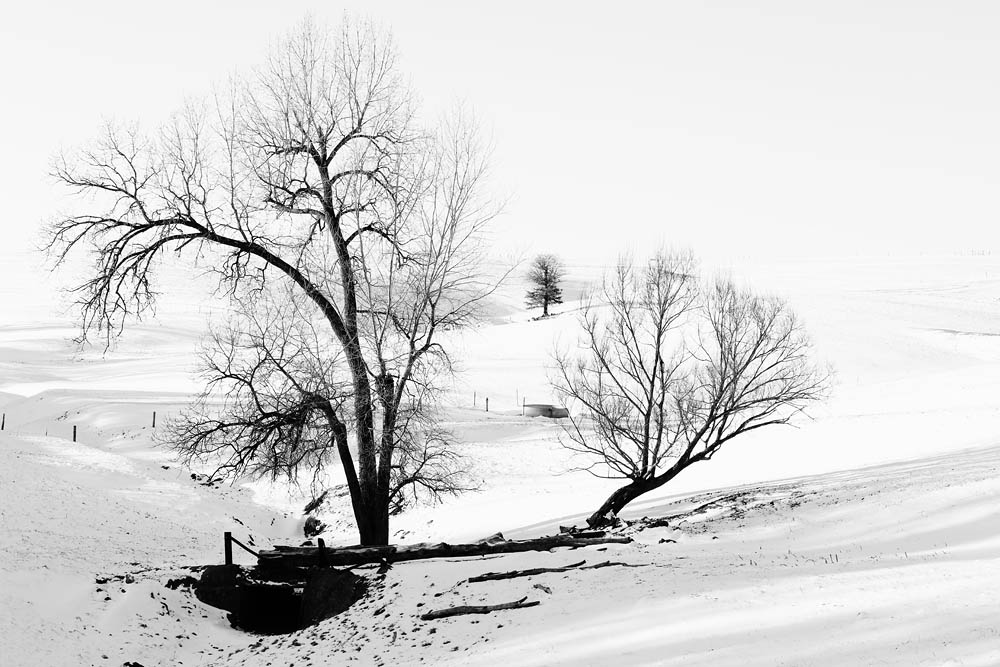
473,399
227,548
154,418
487,404
74,432
522,406
3,422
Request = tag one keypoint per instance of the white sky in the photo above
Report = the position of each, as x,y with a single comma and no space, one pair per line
797,128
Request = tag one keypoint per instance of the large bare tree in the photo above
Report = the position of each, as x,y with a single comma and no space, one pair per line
670,369
347,235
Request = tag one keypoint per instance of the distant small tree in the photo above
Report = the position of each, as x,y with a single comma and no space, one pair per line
672,369
544,275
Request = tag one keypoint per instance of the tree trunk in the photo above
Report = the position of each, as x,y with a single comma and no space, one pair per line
370,506
616,502
347,462
380,523
373,527
607,512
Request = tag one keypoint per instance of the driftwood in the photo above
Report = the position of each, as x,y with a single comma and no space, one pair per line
477,609
282,556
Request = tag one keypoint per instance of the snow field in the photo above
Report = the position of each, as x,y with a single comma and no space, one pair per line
878,544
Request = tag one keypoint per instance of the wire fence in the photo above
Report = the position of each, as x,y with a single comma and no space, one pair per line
64,427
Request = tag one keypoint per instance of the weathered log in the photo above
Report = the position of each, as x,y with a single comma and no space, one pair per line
580,532
477,609
306,556
608,563
513,574
656,522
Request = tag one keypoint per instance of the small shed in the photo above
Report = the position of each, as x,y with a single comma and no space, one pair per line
544,410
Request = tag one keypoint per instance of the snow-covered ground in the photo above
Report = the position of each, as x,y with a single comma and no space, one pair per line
878,544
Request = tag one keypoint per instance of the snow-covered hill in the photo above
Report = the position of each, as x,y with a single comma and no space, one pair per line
890,562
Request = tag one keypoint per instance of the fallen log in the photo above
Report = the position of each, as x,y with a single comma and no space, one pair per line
580,532
307,556
513,574
646,522
608,563
477,609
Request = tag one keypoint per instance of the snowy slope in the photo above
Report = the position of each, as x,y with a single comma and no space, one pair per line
914,572
896,565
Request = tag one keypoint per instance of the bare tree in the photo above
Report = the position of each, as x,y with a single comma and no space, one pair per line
274,392
348,236
544,275
671,370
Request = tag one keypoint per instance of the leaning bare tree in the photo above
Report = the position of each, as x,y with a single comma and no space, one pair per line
544,276
347,236
671,370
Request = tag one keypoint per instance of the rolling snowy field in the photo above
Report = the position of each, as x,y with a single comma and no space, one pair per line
868,535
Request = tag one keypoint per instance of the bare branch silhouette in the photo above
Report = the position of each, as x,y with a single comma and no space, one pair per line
670,369
311,193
